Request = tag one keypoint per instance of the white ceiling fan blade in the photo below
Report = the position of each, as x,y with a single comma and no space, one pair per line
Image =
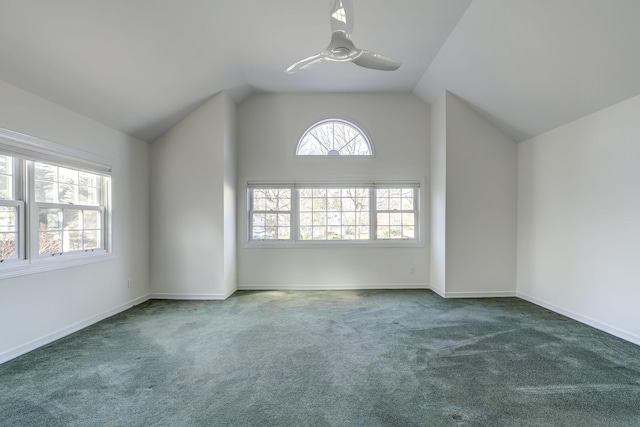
342,16
376,61
305,63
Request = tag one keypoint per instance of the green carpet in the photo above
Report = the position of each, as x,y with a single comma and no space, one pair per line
361,358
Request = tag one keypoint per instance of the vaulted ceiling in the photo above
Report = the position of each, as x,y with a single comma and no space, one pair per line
142,65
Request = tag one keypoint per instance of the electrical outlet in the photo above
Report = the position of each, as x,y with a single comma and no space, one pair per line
130,283
412,269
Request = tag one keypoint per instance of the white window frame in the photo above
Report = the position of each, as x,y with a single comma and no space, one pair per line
295,241
26,150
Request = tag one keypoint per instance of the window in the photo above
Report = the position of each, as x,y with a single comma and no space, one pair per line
334,214
334,137
358,213
271,214
53,206
396,213
70,209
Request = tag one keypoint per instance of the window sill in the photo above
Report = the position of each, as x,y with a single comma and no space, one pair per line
323,244
41,265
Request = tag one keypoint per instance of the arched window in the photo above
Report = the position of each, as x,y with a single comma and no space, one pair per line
334,137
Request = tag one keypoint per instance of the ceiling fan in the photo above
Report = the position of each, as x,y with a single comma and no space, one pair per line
341,48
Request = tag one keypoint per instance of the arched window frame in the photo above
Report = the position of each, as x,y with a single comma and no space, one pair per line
346,122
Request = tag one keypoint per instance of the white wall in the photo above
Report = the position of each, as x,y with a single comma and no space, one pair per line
579,219
474,200
193,205
37,308
269,127
481,204
438,214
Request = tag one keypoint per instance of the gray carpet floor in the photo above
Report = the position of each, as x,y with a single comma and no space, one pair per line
361,358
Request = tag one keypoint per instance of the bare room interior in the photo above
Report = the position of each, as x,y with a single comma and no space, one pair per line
171,252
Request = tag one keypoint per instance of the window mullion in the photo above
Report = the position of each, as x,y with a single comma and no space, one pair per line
251,212
105,217
294,221
373,214
20,193
32,211
416,221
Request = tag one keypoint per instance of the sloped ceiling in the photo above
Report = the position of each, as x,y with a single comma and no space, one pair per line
140,66
532,65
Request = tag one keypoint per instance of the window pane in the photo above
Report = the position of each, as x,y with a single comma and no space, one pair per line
91,239
71,219
259,203
306,204
46,172
67,193
395,219
362,218
46,191
7,245
349,218
68,176
271,220
271,204
319,233
8,232
258,233
6,178
334,218
334,233
395,232
64,185
306,218
90,220
6,165
71,241
306,233
50,242
6,187
8,219
88,195
87,179
395,203
408,219
362,233
409,232
284,233
319,219
50,219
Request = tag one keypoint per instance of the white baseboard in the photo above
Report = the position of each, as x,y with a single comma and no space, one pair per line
49,338
332,287
627,336
481,294
194,297
438,291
